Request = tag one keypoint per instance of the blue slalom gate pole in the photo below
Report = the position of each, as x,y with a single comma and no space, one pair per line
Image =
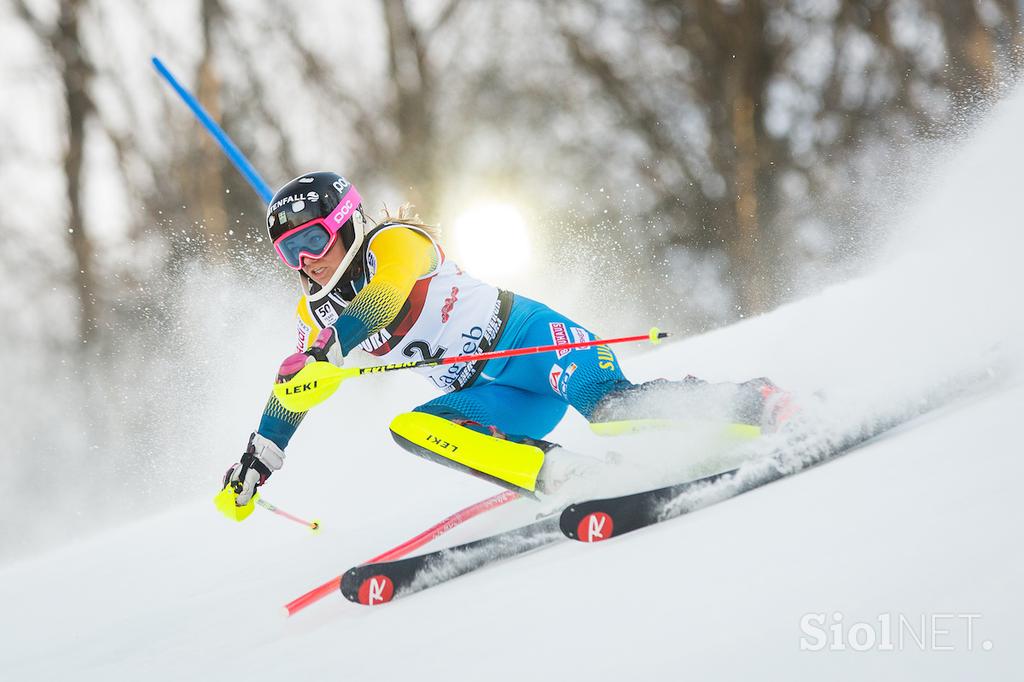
232,152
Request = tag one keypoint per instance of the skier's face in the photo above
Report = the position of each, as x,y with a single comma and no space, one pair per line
320,270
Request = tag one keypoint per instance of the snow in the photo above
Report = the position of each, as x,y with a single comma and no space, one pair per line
922,523
922,526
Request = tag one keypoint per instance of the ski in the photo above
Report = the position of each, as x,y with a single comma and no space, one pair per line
376,583
600,519
596,520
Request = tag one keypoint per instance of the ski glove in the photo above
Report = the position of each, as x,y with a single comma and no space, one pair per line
324,349
261,458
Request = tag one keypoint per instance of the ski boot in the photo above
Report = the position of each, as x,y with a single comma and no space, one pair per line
743,410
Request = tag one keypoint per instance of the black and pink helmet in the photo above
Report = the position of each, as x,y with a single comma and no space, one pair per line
307,215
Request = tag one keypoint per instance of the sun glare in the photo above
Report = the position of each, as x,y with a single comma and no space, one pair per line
492,240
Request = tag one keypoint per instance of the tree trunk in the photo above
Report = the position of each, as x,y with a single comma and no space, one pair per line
208,180
746,243
75,74
971,68
413,158
746,68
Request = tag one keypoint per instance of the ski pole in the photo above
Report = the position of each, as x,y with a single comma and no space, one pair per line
317,381
225,503
413,543
233,153
313,525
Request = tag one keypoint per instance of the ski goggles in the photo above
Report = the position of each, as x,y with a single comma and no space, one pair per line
313,238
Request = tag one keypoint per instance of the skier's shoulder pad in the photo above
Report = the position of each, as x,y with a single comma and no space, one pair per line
405,246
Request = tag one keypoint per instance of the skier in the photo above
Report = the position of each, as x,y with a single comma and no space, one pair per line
389,290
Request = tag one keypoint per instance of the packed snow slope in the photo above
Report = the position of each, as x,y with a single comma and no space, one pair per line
920,529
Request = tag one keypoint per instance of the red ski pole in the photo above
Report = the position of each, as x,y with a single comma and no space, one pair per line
317,381
432,533
313,525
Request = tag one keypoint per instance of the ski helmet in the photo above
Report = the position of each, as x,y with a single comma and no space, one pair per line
307,215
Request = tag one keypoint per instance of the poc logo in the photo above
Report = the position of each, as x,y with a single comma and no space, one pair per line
376,590
595,527
346,210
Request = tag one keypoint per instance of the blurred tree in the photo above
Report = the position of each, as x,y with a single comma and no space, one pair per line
413,102
730,100
207,182
394,136
243,102
207,210
75,71
725,179
981,40
735,121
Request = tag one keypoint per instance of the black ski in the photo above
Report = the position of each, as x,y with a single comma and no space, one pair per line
600,519
377,583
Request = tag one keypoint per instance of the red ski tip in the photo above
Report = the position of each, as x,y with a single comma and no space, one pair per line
595,527
376,590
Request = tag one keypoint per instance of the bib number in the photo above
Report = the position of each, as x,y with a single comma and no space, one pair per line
424,350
